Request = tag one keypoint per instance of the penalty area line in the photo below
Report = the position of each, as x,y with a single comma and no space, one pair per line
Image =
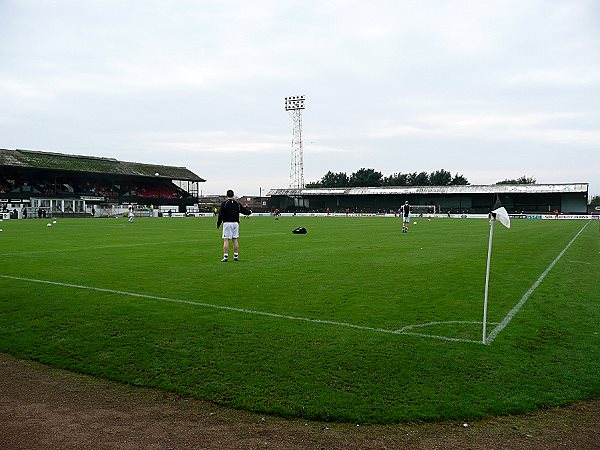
513,312
240,310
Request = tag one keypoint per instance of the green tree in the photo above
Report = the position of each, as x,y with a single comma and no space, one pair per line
418,179
440,178
595,201
341,180
366,178
521,180
459,180
395,179
331,179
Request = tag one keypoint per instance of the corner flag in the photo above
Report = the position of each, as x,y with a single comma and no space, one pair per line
500,214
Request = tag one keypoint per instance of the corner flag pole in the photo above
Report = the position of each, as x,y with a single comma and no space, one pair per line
487,278
502,216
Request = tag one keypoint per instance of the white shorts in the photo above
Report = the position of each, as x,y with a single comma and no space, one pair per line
406,219
231,230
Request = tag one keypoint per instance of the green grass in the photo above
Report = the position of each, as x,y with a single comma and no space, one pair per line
326,347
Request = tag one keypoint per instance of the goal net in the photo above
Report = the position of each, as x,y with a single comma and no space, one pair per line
423,210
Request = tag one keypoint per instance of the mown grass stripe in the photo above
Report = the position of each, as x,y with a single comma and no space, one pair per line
513,312
242,310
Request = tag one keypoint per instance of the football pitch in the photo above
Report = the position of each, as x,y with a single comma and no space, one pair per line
353,321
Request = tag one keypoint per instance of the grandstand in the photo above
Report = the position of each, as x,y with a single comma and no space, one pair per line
72,184
533,198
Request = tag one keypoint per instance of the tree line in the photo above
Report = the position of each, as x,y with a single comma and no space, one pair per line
372,178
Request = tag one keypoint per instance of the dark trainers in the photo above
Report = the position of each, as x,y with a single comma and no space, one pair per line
225,260
235,258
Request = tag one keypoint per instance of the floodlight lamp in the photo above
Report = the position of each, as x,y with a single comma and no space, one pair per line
294,103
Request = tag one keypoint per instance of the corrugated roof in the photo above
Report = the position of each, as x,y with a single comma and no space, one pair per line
444,190
92,164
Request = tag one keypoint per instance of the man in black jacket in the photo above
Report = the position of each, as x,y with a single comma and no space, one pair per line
229,216
405,210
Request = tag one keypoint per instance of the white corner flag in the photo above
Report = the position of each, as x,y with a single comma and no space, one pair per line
500,214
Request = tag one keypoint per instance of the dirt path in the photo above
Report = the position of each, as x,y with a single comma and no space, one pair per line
46,408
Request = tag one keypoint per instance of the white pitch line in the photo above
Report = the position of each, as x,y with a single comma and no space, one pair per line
246,311
429,324
511,314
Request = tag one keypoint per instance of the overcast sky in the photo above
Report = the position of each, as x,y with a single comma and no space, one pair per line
487,89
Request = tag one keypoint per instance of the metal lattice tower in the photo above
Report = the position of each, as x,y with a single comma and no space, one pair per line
294,106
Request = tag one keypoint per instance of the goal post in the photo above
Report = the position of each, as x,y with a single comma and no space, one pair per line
423,210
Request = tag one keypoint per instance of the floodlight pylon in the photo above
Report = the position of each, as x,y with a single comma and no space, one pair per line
294,106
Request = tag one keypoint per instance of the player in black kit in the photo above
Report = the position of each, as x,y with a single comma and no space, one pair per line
229,216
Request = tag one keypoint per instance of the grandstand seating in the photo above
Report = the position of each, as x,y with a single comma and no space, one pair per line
27,174
76,187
